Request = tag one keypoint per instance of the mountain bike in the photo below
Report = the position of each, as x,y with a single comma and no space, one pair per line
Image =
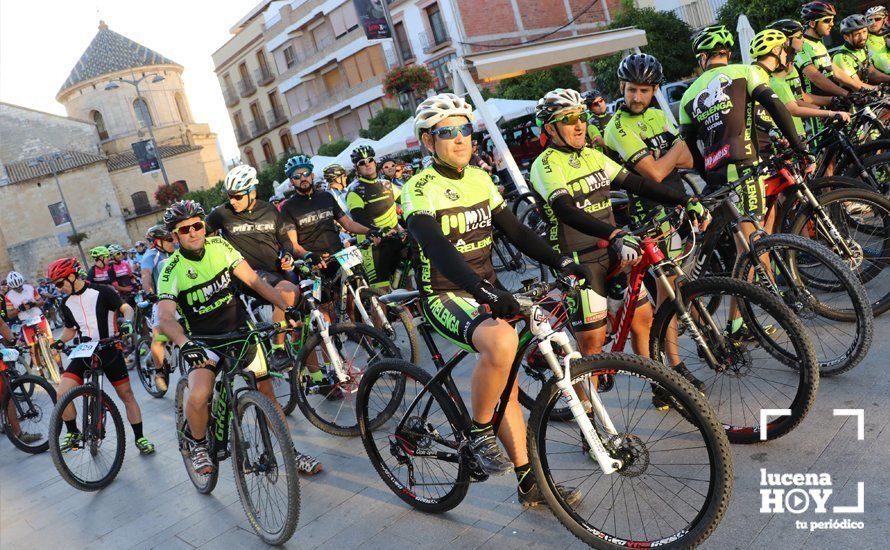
419,445
92,461
26,402
42,356
261,447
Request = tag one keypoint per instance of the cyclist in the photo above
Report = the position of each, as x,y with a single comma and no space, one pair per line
813,61
251,226
152,262
23,304
336,177
196,282
372,202
392,170
12,417
481,159
89,312
100,271
122,275
852,58
599,118
877,38
141,247
449,209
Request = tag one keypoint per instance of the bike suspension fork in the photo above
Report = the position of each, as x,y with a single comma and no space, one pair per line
323,329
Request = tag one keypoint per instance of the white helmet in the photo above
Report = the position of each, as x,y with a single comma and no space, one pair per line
555,102
241,179
15,279
875,10
437,108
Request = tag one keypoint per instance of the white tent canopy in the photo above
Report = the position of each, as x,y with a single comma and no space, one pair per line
503,110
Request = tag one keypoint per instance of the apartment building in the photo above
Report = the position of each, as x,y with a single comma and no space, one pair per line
248,79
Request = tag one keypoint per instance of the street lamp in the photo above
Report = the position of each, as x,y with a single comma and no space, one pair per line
113,85
52,161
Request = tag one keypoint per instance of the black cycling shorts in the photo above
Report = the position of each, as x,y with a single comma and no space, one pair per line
111,361
381,261
254,360
454,315
588,307
750,195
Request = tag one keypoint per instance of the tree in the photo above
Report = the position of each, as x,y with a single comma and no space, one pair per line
535,84
333,148
384,122
763,12
669,40
268,176
208,198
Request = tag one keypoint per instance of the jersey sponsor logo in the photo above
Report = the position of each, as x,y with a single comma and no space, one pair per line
452,194
714,158
574,161
589,184
312,218
468,220
203,294
713,99
191,273
252,228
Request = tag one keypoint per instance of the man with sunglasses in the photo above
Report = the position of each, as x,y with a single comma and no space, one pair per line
336,178
813,60
252,226
877,38
197,283
392,170
852,58
372,203
450,209
152,262
89,313
599,118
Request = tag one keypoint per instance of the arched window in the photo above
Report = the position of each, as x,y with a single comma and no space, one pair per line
268,152
251,160
96,116
287,144
143,116
180,106
140,202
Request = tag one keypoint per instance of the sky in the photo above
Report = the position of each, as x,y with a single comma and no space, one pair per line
41,40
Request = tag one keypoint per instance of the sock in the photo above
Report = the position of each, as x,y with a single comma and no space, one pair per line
71,426
316,376
137,430
735,325
480,427
680,364
525,477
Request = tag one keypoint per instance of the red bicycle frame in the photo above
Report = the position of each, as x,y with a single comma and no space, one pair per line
621,321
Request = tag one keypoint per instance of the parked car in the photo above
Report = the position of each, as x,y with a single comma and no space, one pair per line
674,93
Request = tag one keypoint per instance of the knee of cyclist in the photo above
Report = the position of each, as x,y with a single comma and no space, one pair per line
288,292
199,395
500,345
126,394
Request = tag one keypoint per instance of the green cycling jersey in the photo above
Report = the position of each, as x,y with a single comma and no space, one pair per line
372,202
813,53
854,62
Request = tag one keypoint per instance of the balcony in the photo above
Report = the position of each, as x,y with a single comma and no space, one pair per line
242,135
276,116
230,96
318,102
247,87
263,75
309,57
258,127
432,43
699,13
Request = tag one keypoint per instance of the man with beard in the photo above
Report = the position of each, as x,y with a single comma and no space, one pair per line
852,58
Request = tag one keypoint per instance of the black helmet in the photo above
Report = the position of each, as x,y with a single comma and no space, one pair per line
156,232
788,26
640,68
591,96
333,171
816,10
384,159
182,210
361,152
853,23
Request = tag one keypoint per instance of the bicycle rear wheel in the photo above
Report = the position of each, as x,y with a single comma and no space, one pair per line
145,368
203,483
329,404
94,461
265,468
420,462
511,267
769,363
676,479
32,400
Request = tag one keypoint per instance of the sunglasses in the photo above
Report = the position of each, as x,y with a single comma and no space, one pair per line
450,132
600,100
583,116
828,20
236,197
60,283
364,162
186,229
300,175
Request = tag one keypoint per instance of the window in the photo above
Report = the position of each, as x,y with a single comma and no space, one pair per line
437,26
59,213
261,58
180,107
440,69
402,39
140,202
268,152
287,144
323,36
251,160
143,116
96,116
242,70
289,56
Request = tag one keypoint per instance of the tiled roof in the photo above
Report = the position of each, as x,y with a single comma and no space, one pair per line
110,52
23,171
128,158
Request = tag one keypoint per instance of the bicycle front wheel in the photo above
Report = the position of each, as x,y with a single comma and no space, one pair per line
31,399
265,468
326,400
48,360
420,460
145,368
91,459
762,358
675,481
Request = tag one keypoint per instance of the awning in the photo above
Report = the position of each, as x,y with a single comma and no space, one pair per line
516,60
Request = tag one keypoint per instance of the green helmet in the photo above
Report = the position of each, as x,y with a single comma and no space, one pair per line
712,38
99,252
764,42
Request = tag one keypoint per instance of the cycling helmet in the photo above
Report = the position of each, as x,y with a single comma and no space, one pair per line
115,249
15,279
788,26
555,102
333,171
763,42
241,179
384,159
156,232
712,38
816,10
434,110
853,23
361,152
62,268
182,210
298,161
875,10
276,198
99,252
640,68
140,243
590,97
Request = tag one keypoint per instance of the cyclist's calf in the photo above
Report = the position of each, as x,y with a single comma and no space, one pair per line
200,391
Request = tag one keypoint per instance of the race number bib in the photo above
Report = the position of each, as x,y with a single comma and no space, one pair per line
84,350
349,257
